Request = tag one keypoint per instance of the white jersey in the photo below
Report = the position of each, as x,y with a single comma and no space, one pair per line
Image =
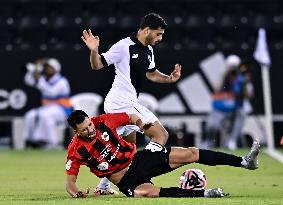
131,60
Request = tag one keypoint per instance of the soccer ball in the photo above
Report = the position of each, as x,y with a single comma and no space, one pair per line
193,179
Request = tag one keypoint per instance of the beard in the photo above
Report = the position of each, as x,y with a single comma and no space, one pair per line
92,134
155,43
150,40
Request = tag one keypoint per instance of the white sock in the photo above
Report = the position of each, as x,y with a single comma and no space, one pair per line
205,194
104,183
244,162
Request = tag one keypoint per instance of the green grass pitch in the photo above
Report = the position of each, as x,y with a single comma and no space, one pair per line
38,177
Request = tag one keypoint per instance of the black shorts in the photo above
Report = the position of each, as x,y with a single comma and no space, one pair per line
147,163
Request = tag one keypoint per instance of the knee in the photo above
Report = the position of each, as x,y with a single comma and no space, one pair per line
187,155
193,154
140,193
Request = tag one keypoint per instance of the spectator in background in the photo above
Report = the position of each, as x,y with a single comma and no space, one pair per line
243,94
227,105
40,123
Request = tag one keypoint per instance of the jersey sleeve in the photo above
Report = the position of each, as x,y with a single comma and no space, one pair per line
114,54
116,119
72,166
151,67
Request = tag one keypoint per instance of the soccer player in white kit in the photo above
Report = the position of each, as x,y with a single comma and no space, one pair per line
133,59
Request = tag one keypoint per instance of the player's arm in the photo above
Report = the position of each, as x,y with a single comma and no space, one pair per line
72,188
159,77
92,42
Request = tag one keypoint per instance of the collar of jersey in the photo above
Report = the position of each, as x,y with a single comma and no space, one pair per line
134,39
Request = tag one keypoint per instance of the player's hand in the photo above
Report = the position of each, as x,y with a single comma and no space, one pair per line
176,74
143,126
92,42
36,75
146,126
82,194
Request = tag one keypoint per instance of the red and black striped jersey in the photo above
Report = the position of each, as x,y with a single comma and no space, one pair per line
106,153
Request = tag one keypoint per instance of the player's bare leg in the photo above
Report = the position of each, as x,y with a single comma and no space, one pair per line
157,133
149,190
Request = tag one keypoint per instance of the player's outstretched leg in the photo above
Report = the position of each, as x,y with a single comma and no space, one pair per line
250,160
213,158
179,192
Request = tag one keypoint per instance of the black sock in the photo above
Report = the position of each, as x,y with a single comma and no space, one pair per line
212,158
178,192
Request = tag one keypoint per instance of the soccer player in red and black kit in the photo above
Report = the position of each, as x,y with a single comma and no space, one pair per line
97,145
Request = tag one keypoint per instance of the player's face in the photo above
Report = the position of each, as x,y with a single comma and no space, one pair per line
86,129
154,36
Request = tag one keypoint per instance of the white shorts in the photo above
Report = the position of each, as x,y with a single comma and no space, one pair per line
130,107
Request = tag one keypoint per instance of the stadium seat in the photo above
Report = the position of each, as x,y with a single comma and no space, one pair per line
195,21
30,8
88,102
68,35
229,21
6,9
97,22
6,37
8,22
128,21
33,22
70,8
123,17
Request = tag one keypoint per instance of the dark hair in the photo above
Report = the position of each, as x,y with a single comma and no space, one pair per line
76,117
153,21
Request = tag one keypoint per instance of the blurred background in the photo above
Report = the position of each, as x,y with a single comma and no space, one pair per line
200,36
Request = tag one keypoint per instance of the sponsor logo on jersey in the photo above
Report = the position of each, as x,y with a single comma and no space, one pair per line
68,164
135,55
115,153
103,166
106,151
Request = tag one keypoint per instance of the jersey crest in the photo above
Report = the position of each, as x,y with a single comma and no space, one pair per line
105,136
103,166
